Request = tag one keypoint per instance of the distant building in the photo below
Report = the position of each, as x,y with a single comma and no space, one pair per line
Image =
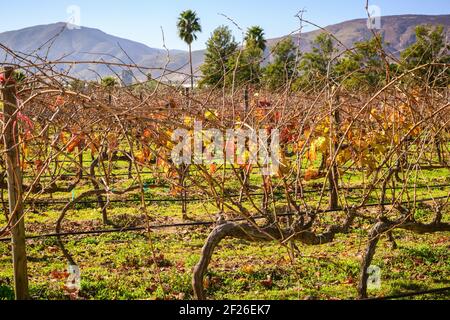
127,78
188,85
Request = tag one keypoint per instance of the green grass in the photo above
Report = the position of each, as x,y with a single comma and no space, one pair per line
121,265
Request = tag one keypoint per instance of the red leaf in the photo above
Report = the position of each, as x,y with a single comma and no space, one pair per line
268,283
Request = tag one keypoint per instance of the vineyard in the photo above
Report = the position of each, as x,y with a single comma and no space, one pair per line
96,207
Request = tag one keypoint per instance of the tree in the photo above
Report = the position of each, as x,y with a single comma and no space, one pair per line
188,26
255,36
314,65
109,83
430,47
247,63
281,70
364,68
77,85
19,76
219,50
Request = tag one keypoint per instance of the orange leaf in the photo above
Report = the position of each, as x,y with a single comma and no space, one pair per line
147,133
212,168
311,174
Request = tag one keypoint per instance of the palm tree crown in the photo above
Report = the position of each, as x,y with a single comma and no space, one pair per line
109,82
188,25
255,34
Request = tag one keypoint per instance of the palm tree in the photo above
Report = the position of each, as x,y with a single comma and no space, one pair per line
19,76
109,83
188,25
255,35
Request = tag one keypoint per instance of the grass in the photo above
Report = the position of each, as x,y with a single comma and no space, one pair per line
124,266
121,266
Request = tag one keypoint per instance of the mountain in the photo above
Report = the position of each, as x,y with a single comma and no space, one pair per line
55,41
398,31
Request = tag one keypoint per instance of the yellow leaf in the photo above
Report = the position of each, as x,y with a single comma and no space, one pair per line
188,121
321,144
210,115
175,190
140,157
248,269
312,154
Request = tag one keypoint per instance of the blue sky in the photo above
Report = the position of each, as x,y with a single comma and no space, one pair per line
141,20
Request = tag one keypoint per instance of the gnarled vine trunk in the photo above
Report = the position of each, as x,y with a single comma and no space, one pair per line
385,226
253,233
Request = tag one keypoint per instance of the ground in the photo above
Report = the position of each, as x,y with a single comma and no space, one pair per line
158,265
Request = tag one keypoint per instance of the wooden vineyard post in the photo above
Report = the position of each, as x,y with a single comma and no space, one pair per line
184,169
246,102
14,177
333,176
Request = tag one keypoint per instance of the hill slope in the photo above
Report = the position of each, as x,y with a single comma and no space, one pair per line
56,42
87,44
397,31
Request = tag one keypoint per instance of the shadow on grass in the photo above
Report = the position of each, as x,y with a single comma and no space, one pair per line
6,292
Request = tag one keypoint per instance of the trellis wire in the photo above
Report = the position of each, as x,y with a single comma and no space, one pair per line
204,223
